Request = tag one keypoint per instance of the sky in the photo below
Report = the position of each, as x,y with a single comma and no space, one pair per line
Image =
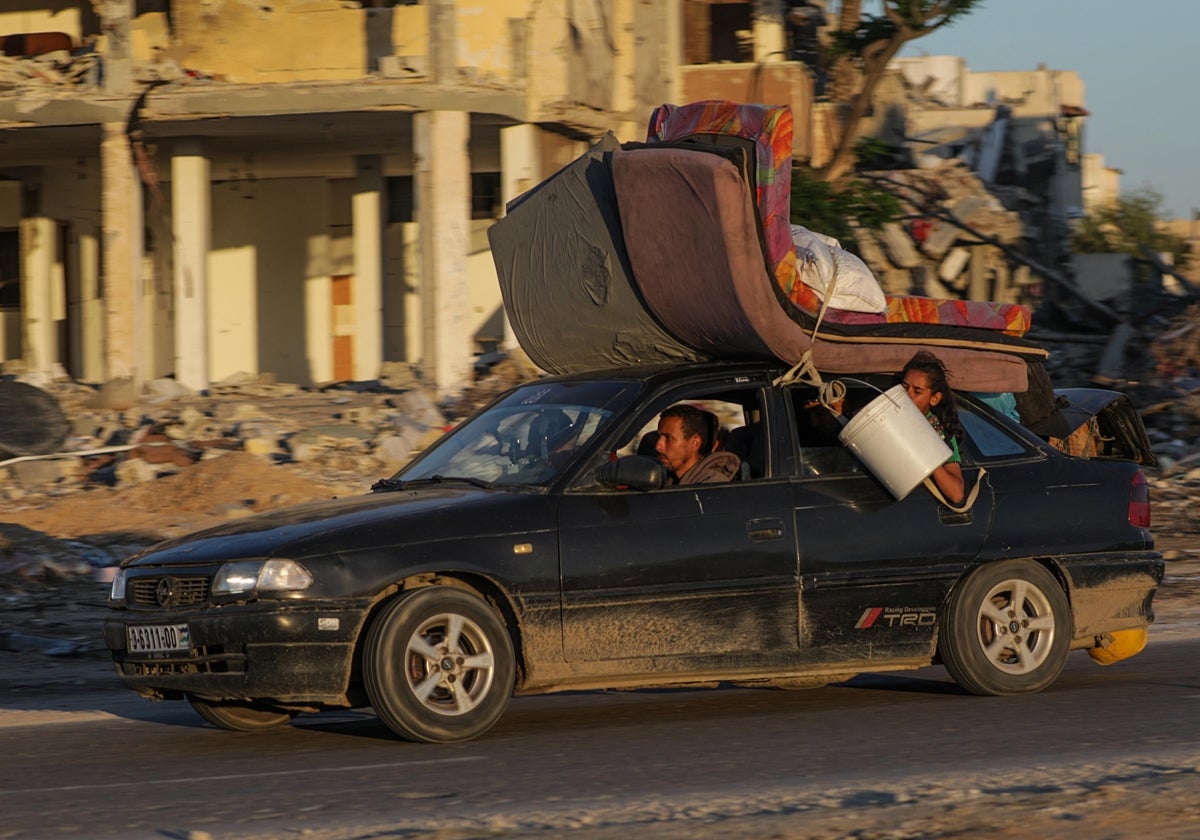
1137,61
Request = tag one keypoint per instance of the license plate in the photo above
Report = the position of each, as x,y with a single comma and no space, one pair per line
157,638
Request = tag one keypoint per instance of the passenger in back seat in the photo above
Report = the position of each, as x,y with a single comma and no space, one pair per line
924,378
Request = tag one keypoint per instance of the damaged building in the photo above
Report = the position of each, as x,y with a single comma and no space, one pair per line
992,171
997,176
303,188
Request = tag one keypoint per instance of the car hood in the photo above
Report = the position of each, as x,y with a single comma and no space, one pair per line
376,520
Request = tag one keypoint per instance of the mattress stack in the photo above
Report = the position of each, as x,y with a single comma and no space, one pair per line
681,249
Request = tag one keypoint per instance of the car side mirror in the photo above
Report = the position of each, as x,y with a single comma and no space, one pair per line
635,472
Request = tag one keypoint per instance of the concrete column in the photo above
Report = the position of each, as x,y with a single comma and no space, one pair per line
117,24
1002,289
191,228
978,278
443,62
770,38
520,160
443,173
520,170
91,305
121,210
39,328
673,49
366,290
318,322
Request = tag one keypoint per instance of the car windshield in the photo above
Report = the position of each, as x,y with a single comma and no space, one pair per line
527,438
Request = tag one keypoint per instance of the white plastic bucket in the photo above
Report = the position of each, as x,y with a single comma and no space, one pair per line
895,441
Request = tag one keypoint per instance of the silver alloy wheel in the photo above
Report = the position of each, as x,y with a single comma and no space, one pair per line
449,664
1016,626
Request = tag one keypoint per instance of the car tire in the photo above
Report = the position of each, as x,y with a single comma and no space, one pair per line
438,665
240,716
1006,629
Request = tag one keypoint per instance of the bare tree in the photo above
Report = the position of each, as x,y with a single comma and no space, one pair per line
865,46
843,72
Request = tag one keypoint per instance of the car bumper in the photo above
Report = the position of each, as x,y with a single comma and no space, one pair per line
291,653
1111,592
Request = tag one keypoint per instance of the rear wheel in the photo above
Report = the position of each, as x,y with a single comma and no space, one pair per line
239,716
438,665
1006,630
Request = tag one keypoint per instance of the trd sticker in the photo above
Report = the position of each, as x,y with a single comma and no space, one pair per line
895,617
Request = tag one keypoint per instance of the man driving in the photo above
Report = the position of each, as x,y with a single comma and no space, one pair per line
685,447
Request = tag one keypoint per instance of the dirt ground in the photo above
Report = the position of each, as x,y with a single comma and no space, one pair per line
206,493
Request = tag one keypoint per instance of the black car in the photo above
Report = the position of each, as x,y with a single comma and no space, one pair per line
530,551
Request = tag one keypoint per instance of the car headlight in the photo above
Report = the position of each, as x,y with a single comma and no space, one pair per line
116,595
243,576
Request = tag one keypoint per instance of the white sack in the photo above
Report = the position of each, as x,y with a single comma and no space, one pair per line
822,263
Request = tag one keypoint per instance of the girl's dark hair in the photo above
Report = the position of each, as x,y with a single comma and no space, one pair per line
945,412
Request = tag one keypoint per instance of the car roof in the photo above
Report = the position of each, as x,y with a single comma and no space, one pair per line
655,374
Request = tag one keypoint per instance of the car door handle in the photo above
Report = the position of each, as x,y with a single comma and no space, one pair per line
765,529
949,517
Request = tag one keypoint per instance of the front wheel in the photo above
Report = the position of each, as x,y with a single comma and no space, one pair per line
438,665
1006,630
239,716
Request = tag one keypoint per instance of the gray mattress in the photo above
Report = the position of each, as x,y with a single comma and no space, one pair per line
565,277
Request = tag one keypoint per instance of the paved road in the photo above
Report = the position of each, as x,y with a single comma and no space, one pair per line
703,763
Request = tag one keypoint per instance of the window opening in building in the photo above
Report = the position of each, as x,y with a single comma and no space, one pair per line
400,199
485,195
10,269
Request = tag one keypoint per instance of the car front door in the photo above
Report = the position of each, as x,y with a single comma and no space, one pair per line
705,570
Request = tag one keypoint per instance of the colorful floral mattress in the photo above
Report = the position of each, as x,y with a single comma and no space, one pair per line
1009,318
770,129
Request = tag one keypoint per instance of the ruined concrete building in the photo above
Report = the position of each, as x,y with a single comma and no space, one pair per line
302,187
998,174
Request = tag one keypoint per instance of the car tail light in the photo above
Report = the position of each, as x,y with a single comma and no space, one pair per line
1139,501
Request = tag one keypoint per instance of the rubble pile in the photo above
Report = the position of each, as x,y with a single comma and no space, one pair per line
52,69
1176,350
136,469
956,242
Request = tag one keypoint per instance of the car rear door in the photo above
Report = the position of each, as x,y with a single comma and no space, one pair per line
873,569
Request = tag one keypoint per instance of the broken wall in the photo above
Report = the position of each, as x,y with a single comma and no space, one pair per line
1040,92
937,77
1189,231
150,37
293,40
69,16
546,52
1101,183
266,246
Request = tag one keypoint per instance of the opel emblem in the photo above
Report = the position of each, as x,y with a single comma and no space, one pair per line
166,592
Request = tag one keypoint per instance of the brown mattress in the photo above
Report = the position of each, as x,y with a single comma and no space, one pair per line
691,233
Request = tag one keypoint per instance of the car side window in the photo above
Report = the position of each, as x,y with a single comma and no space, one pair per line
817,429
739,410
987,440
